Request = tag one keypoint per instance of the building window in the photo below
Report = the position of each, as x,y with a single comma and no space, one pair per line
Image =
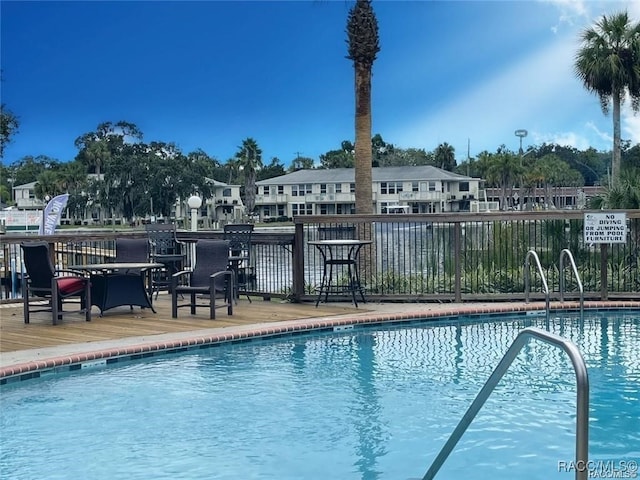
281,211
463,186
301,190
415,187
265,190
390,188
280,189
352,188
226,192
345,209
302,209
323,188
338,188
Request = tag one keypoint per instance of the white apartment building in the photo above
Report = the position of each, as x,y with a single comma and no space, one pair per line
422,189
224,205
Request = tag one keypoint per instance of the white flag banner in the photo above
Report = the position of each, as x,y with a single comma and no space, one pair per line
52,214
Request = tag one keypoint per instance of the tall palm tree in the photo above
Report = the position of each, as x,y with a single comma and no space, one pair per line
249,159
503,170
625,194
445,157
363,40
48,183
609,66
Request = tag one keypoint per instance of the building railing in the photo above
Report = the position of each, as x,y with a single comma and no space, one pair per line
436,257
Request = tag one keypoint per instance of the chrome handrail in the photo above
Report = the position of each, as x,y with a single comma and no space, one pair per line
582,400
527,273
567,253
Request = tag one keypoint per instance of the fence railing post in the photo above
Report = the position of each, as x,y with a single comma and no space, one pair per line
298,262
604,274
457,246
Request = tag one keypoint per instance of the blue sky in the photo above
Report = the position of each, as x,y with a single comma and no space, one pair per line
208,74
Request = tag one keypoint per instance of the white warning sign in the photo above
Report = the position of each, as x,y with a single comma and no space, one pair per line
605,228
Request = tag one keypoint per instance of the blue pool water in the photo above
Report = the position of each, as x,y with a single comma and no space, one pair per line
363,404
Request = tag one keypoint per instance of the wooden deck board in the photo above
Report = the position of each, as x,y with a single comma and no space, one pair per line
121,322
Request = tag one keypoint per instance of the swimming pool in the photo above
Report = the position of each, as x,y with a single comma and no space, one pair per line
359,404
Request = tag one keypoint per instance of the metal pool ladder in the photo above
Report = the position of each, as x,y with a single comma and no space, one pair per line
582,400
527,283
567,253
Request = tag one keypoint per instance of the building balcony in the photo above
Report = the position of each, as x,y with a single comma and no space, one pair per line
424,196
279,198
330,198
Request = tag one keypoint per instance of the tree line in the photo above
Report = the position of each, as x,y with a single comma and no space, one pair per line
124,175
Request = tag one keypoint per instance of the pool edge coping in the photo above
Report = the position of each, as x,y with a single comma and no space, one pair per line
33,368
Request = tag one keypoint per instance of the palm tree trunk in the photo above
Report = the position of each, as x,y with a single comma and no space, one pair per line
615,162
363,154
363,174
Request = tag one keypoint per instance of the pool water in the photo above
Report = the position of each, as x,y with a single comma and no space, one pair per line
362,404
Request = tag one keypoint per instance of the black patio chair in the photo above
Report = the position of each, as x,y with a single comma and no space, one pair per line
165,249
209,279
132,250
239,237
43,280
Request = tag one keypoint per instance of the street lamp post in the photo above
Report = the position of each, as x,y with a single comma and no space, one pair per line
46,200
521,133
194,202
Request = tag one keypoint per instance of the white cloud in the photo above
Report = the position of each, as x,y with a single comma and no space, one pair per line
534,88
603,135
571,12
539,93
584,13
565,139
630,125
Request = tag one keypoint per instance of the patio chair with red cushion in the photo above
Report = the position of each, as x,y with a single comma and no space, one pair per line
43,280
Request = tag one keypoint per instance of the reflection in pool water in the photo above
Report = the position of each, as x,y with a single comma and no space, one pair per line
363,404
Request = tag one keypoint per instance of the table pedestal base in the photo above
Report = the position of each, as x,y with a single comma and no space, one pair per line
110,290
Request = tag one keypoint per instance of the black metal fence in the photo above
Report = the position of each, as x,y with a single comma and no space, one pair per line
440,257
270,270
458,257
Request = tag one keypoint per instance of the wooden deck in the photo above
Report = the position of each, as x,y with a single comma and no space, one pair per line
121,322
122,328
